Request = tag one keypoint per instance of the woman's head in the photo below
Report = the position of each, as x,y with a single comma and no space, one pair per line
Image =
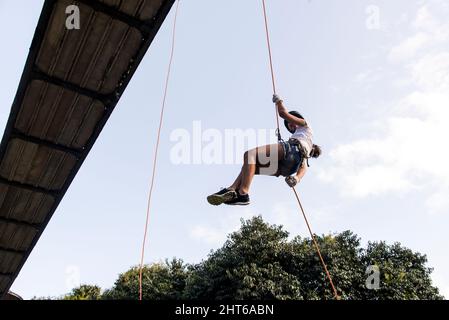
316,151
291,127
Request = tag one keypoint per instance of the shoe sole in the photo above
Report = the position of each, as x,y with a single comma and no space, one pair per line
216,199
238,204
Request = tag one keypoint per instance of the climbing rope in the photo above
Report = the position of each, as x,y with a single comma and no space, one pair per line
158,142
156,149
273,81
280,138
317,246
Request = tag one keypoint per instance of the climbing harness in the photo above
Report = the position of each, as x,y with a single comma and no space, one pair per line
156,149
279,138
302,150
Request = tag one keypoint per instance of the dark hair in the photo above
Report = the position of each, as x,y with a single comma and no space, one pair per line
293,113
316,151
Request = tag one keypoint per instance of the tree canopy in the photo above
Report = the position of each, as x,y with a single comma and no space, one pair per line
260,262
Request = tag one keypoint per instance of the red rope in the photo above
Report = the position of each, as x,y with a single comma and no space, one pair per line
156,152
273,81
317,247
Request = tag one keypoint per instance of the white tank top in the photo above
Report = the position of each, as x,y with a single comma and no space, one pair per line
304,135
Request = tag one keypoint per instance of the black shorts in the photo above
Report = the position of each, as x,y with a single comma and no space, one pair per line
292,160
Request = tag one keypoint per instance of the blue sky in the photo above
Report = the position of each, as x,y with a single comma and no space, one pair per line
370,76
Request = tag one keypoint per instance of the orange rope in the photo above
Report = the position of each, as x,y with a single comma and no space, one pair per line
271,65
156,152
317,247
279,137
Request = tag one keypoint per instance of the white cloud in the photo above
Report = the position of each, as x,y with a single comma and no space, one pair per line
215,235
409,149
430,72
409,47
429,33
424,19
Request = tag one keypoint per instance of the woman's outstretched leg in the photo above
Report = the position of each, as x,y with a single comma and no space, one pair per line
262,160
236,185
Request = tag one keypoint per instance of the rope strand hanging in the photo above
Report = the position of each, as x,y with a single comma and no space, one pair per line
156,150
280,138
312,236
278,130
